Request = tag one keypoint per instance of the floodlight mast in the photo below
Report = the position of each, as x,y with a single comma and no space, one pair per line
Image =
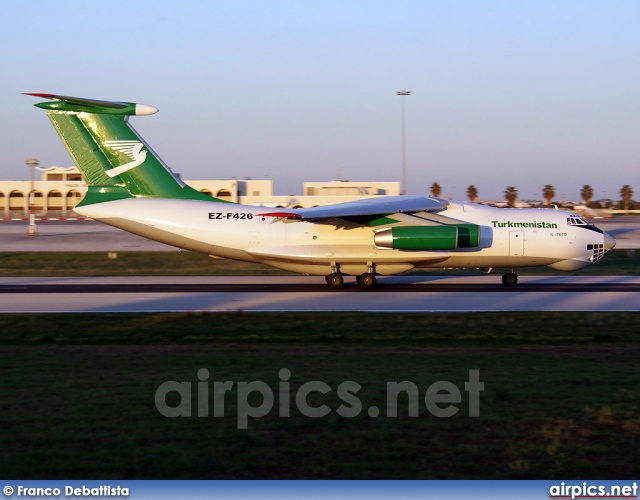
404,142
32,163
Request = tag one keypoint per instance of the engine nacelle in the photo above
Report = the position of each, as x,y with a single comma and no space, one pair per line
444,237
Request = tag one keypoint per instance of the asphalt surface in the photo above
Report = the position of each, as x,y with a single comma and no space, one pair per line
388,287
304,293
73,236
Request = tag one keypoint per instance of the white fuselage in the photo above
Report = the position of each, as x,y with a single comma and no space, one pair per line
509,238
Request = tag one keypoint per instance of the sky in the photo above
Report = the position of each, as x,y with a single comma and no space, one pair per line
503,93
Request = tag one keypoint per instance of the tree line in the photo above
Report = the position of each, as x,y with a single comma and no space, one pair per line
548,194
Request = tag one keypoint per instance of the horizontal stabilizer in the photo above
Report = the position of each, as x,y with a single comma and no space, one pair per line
83,105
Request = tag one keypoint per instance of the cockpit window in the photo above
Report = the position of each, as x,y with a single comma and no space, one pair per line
574,220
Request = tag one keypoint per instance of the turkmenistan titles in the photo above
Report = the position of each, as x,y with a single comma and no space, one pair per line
534,224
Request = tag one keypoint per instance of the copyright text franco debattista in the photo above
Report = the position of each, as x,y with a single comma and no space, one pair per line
67,491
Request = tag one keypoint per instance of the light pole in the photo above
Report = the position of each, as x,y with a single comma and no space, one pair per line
32,163
403,185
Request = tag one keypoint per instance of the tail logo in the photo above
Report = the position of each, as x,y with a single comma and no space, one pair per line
133,149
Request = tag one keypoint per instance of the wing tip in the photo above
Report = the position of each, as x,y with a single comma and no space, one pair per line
37,94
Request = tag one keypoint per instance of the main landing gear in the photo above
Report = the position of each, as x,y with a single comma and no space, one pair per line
334,280
510,279
366,280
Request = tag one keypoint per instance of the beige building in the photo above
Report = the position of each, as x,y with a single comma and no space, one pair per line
55,194
59,190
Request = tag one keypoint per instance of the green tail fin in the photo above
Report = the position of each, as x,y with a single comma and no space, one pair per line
112,158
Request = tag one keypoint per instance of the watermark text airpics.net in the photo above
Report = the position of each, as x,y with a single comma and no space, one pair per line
257,399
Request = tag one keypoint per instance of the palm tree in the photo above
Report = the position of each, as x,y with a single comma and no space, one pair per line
626,193
548,193
586,193
511,195
435,189
472,193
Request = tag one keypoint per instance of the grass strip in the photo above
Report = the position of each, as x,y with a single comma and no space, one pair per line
321,328
561,397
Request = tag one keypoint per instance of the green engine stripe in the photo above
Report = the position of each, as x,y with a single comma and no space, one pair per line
425,237
468,235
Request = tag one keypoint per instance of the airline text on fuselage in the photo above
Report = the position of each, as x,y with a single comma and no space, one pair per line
534,224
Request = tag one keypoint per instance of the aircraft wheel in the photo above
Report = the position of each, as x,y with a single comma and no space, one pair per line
510,279
367,280
334,280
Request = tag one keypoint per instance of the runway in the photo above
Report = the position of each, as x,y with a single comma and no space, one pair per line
300,293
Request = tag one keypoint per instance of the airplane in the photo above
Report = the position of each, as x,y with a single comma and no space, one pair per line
131,188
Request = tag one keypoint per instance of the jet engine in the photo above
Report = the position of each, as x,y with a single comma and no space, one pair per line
443,237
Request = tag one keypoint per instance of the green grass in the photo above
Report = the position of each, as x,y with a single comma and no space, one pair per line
492,328
125,264
192,264
561,396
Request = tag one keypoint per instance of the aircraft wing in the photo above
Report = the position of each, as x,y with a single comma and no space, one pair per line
362,209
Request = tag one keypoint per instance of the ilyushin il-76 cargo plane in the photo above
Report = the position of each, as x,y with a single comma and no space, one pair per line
131,188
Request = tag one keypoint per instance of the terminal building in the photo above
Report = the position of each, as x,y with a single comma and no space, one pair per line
59,190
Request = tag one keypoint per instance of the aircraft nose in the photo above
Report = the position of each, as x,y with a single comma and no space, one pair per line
609,242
